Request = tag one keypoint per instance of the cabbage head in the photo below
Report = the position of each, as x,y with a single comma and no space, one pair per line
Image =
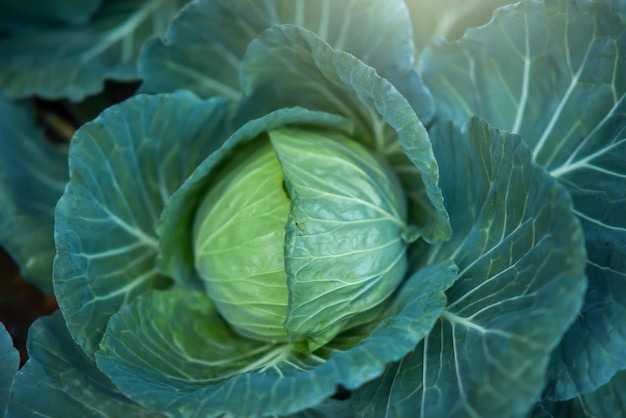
297,208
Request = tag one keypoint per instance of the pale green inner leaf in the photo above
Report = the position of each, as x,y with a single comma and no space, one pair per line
344,249
239,235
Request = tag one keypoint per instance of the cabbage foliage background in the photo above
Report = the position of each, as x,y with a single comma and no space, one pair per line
509,144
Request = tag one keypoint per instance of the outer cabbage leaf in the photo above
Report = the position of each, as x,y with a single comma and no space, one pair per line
553,72
196,365
330,408
608,401
123,168
208,61
52,11
73,61
60,379
520,254
33,173
9,362
176,224
295,67
448,19
539,411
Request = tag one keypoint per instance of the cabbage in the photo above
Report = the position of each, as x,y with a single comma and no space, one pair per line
275,237
311,209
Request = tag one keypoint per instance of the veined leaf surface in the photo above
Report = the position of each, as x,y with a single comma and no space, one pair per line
553,72
520,254
608,401
344,246
72,62
208,62
123,168
65,380
296,68
196,365
448,19
9,362
176,222
33,174
72,12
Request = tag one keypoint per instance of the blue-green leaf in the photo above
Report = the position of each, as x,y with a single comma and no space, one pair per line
59,379
330,408
71,12
33,173
73,61
196,366
539,411
553,73
520,254
295,67
123,168
608,401
9,362
208,61
448,19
